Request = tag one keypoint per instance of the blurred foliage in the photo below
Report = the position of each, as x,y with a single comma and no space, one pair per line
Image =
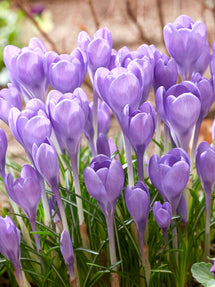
9,33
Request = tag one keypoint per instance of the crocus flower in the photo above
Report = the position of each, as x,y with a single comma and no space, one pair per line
139,126
207,98
46,161
65,72
10,248
10,241
186,42
165,70
137,200
179,107
9,98
212,64
212,270
141,63
170,174
68,129
103,123
163,215
104,180
68,253
98,49
118,88
3,150
26,192
205,165
25,68
31,125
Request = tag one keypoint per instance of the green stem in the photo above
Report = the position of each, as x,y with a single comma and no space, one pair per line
207,224
175,238
36,236
74,162
47,218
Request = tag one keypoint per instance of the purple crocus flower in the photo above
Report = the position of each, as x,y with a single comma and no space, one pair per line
3,150
141,63
26,192
118,88
205,165
10,241
103,123
212,64
163,215
98,49
212,270
170,174
10,247
137,200
179,107
65,72
139,126
68,129
9,98
165,70
25,68
207,98
104,180
103,117
186,42
31,125
68,253
46,161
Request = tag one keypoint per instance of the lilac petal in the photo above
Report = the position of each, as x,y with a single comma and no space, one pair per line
13,116
28,194
154,172
115,180
64,76
176,180
125,89
10,241
99,53
67,249
179,113
94,184
47,164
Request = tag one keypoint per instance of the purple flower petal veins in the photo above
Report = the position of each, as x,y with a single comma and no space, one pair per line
186,42
104,180
10,241
162,214
26,69
67,251
170,174
25,191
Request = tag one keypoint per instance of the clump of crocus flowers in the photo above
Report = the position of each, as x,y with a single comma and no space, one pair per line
50,126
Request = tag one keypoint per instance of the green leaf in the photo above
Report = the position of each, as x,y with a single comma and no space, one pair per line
201,272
